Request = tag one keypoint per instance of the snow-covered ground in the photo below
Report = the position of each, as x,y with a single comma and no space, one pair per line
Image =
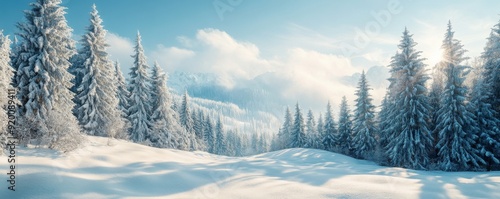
120,169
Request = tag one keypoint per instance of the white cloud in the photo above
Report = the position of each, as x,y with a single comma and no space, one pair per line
121,49
171,57
185,41
300,75
215,52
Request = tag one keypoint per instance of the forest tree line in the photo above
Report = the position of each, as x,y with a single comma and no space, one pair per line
449,126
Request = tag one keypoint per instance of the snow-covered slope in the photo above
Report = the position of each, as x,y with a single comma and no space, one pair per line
119,169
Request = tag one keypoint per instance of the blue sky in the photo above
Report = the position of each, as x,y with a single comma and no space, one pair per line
301,47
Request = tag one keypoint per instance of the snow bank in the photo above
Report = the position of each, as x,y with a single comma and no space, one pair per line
120,169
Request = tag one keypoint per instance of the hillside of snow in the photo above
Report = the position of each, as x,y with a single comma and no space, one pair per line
105,168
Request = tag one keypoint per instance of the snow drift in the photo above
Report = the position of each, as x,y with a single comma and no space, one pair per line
119,169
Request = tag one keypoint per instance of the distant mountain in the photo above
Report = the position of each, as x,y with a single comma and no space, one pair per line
243,109
251,96
376,75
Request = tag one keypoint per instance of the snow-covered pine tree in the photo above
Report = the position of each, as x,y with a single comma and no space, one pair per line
263,144
97,104
284,135
5,80
384,131
198,130
364,129
166,131
220,139
240,144
407,121
491,68
455,122
232,139
345,128
184,112
42,79
488,142
139,89
313,138
75,69
321,131
435,94
209,135
254,143
329,138
491,72
298,137
123,97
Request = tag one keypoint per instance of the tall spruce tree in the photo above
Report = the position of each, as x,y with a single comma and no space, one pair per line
383,125
140,90
97,104
491,76
435,94
321,131
491,68
363,141
166,131
187,122
123,97
42,79
330,130
313,138
5,80
345,128
199,128
209,135
455,123
220,140
285,133
298,136
488,142
185,113
409,139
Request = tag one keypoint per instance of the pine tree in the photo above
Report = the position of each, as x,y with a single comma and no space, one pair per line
491,68
456,123
264,146
409,139
285,133
209,135
198,129
5,77
383,125
139,89
486,124
434,105
330,130
255,143
123,97
313,138
298,136
166,132
187,122
97,103
231,143
321,131
220,141
363,141
491,74
42,79
345,128
186,119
